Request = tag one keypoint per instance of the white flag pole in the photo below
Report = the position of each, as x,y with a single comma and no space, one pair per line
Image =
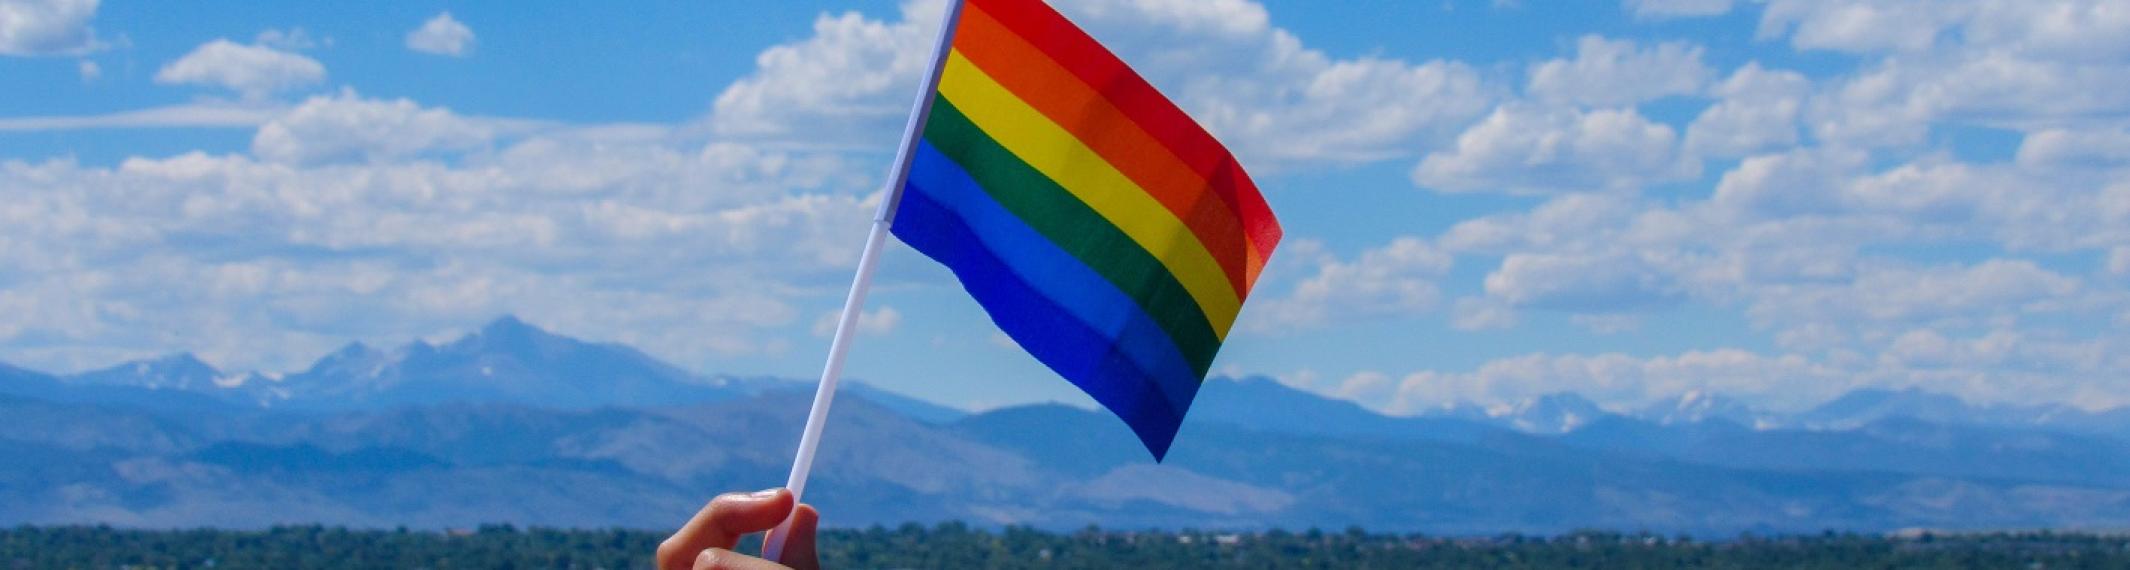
839,346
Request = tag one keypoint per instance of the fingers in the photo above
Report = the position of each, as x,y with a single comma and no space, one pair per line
721,559
721,523
799,550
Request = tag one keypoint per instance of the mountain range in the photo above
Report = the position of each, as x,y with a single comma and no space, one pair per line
512,423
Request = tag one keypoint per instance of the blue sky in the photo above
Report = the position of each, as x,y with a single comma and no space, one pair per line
1485,200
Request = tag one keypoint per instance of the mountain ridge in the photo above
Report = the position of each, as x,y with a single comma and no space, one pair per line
511,360
1252,453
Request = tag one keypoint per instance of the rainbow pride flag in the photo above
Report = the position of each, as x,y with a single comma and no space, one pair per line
1099,226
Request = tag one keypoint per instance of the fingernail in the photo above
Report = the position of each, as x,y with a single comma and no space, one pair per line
763,494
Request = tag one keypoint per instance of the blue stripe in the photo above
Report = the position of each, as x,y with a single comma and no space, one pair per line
1057,274
1063,313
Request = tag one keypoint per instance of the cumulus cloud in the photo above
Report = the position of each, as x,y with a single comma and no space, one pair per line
1812,234
268,261
1560,222
1991,291
1992,367
1894,102
1592,284
850,83
2086,148
1522,149
1397,279
1479,313
1257,87
1622,381
1757,110
47,27
255,71
1995,63
347,126
441,35
292,39
1801,182
1870,26
2051,29
1620,72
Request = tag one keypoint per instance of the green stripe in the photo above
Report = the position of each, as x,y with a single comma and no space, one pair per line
1078,229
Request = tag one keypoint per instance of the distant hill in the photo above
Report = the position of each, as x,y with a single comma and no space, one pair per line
515,424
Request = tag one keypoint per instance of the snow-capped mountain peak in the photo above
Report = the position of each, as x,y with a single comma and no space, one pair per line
1696,406
1560,412
181,371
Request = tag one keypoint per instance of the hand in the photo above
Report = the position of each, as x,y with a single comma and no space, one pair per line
706,542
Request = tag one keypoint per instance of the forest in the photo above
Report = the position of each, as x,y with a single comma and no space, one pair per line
955,545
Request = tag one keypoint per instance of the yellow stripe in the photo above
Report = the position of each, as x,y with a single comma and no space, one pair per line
1055,152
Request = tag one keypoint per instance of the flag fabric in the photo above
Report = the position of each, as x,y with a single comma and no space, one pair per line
1099,226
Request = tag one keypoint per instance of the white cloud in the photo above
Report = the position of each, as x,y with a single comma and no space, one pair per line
2058,148
2011,64
1786,237
2096,30
1929,349
1591,284
1895,102
292,39
1272,100
1623,381
1397,279
444,221
1816,233
1677,8
849,84
1796,183
1757,110
47,27
1275,101
1367,385
1866,26
1992,367
1619,72
1530,150
89,70
1897,295
1996,367
255,71
2078,29
441,35
1560,222
1478,314
347,126
2053,198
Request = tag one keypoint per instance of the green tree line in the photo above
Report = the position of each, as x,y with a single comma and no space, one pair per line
955,545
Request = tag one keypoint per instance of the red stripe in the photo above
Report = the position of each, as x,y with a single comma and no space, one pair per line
1045,85
1083,56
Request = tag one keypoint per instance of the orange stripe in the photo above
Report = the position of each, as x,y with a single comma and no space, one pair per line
1051,89
1071,47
